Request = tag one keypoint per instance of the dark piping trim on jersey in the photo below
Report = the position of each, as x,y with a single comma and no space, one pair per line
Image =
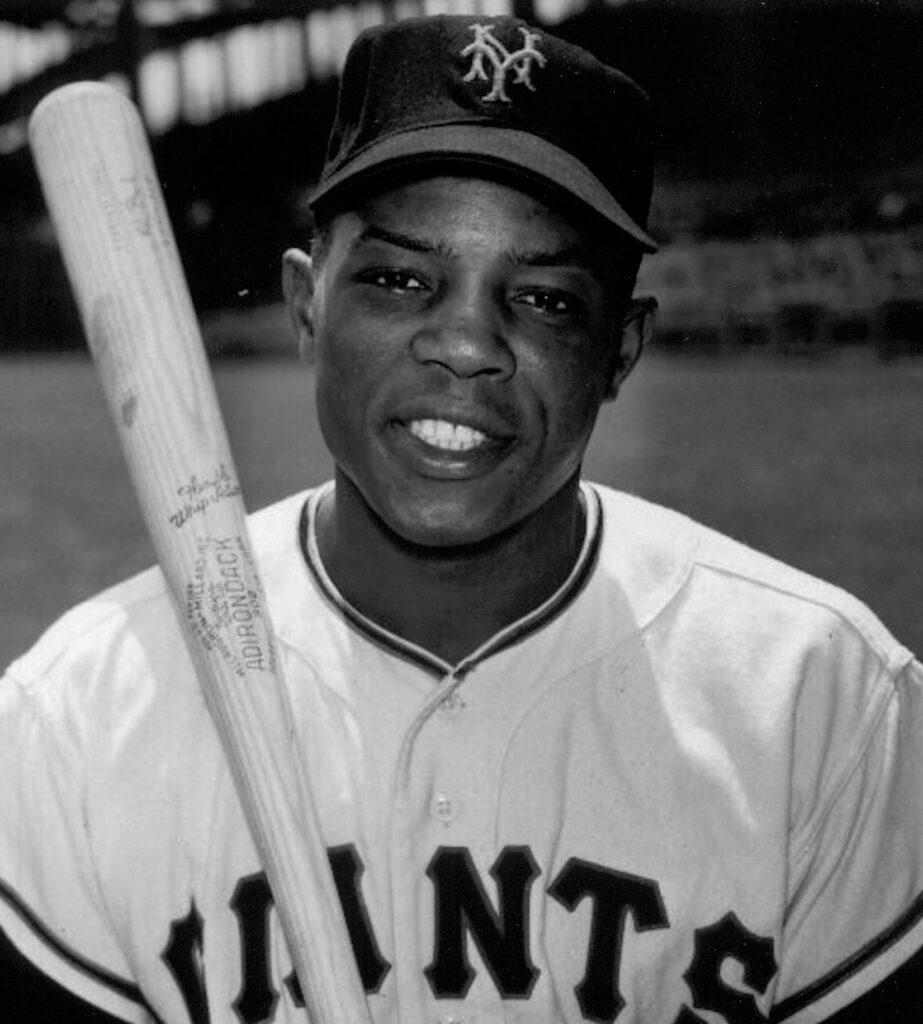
505,638
905,923
367,627
99,974
541,616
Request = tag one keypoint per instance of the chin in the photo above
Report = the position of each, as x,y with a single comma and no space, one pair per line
444,528
442,534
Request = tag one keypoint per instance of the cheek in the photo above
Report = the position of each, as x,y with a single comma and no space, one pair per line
331,407
575,385
346,352
341,391
354,361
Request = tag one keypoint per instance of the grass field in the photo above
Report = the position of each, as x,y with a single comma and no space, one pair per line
819,462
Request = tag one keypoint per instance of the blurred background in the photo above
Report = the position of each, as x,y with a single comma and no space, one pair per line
780,402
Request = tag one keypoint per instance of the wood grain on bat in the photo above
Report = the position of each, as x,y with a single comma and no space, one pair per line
102,191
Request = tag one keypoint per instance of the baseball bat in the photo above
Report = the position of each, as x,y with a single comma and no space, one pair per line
102,192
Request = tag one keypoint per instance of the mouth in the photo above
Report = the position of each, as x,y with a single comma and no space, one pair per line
447,436
446,448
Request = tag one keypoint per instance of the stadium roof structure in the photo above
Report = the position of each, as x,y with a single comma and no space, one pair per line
35,13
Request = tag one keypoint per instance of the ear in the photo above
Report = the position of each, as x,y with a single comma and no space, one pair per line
637,329
298,289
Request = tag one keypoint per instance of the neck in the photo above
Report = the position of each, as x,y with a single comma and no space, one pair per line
448,601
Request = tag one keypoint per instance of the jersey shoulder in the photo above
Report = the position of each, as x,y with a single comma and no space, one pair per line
131,626
748,589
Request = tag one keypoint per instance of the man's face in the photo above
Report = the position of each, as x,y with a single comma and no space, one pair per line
464,337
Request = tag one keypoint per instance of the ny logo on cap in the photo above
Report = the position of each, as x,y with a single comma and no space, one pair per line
519,62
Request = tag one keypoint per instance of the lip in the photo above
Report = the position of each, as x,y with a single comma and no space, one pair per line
445,463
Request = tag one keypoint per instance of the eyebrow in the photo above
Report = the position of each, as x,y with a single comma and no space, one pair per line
567,257
374,233
572,256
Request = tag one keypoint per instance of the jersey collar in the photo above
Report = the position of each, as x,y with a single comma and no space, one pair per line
515,632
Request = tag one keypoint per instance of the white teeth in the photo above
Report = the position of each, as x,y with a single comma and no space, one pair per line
453,437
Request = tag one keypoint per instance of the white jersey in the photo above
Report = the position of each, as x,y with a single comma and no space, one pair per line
687,788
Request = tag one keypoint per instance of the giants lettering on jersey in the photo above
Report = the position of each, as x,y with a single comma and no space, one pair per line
464,911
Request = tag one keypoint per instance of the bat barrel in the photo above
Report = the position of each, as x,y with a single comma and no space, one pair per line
102,191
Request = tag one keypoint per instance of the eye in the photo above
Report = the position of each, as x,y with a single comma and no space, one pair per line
552,302
395,280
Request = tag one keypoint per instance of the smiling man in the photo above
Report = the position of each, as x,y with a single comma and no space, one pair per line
576,758
465,335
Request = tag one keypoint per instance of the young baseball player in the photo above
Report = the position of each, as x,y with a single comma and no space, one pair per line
576,758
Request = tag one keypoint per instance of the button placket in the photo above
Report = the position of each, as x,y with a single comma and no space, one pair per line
413,777
445,804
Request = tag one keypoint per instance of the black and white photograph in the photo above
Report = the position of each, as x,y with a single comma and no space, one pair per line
461,511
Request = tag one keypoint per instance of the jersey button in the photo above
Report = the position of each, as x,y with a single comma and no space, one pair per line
452,705
449,1019
444,809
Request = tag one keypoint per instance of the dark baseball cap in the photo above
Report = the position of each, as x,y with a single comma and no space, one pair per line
476,91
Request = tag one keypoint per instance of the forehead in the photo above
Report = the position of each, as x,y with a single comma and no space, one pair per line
477,209
467,208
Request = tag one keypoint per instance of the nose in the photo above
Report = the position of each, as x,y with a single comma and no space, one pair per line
466,337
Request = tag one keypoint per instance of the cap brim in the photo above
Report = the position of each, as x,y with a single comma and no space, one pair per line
526,155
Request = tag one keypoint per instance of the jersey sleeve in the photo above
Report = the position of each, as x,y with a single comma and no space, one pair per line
855,914
51,906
